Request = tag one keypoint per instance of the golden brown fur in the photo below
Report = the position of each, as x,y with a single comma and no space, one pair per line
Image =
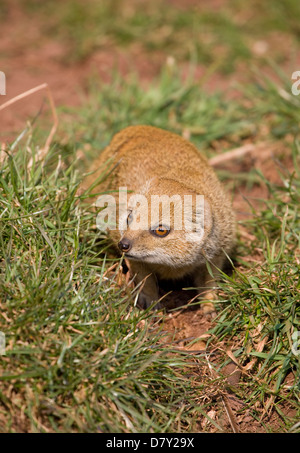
152,161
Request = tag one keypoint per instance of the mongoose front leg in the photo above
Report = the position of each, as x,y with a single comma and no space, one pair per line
149,293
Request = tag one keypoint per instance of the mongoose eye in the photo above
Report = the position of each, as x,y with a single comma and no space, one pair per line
161,231
129,218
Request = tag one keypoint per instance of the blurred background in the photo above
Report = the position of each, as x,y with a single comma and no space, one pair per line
66,44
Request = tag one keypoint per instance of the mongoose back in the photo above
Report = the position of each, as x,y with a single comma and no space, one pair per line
156,167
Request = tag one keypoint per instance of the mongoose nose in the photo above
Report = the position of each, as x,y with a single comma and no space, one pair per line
125,245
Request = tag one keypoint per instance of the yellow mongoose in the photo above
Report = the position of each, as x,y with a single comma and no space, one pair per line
159,166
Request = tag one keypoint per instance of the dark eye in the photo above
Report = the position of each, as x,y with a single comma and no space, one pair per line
129,218
161,231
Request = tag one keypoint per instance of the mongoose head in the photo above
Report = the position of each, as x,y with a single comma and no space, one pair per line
166,224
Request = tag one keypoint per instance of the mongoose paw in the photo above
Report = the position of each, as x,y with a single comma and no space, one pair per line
208,308
145,301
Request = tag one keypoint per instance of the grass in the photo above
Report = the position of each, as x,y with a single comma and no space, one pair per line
263,301
167,103
79,355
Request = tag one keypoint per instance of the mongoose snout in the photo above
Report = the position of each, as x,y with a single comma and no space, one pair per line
125,245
